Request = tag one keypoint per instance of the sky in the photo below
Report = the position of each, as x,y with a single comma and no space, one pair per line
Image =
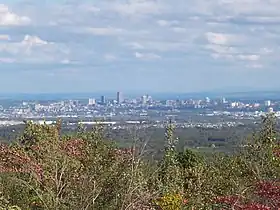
139,45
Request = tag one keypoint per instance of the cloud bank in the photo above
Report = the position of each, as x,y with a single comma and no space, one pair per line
167,40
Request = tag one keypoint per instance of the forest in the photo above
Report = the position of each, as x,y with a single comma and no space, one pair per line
44,168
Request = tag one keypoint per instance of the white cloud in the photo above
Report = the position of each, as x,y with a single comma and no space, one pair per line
265,51
224,56
218,38
93,9
33,40
68,61
135,45
248,57
230,53
105,31
179,29
32,49
110,57
254,66
227,46
227,30
6,60
262,19
162,22
221,49
250,7
235,7
147,56
161,46
5,37
8,18
137,7
65,61
167,23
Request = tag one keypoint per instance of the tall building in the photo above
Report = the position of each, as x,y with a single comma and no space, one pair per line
144,99
91,101
150,99
119,97
76,103
103,100
267,103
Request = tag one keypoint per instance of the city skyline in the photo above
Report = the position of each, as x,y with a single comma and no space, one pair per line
138,46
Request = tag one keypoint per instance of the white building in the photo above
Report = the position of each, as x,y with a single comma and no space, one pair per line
234,104
267,103
91,101
144,99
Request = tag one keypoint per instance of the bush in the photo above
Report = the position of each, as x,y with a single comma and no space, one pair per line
45,170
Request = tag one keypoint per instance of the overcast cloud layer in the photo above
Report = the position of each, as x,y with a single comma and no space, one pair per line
139,45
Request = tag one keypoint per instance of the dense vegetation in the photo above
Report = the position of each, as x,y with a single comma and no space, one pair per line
44,169
154,136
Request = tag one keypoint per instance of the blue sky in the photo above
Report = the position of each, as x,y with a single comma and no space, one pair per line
139,45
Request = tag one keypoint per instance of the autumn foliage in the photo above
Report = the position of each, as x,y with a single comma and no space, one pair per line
46,170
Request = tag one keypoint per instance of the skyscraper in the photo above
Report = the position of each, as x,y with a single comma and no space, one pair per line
223,100
103,100
267,103
91,101
119,97
144,99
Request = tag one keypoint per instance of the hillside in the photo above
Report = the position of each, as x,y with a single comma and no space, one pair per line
45,169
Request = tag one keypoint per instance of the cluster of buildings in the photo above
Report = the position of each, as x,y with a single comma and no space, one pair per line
120,100
145,107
